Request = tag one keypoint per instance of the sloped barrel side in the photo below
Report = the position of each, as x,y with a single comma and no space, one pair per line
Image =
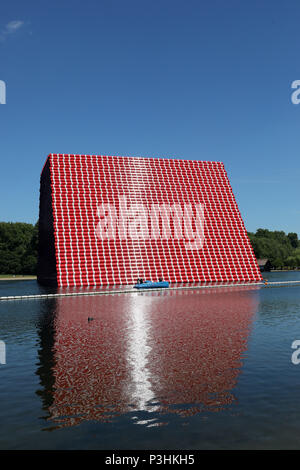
46,270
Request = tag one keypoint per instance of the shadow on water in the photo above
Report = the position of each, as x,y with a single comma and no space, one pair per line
150,355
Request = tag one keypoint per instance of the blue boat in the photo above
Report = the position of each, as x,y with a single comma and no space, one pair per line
151,285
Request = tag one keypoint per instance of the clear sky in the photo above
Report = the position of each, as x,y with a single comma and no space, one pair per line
205,79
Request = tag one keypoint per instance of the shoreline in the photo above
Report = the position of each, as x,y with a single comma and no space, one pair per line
282,271
18,277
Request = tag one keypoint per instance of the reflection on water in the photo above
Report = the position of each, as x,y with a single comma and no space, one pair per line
139,348
176,351
215,366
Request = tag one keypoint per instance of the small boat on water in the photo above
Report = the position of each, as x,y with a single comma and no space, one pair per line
151,285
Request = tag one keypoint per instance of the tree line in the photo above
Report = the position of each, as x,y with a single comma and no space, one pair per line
283,251
19,248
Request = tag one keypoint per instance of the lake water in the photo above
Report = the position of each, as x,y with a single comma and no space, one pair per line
199,369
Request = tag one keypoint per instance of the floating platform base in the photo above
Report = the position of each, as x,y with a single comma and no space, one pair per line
130,290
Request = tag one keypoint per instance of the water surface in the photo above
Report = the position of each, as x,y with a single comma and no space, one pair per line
199,369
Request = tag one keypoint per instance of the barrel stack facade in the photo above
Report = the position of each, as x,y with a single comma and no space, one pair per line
108,220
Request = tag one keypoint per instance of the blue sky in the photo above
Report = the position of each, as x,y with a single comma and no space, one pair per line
207,80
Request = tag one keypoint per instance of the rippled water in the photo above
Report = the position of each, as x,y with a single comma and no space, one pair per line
199,369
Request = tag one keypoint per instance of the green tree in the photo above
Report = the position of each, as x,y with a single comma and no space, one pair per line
293,237
18,248
279,248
